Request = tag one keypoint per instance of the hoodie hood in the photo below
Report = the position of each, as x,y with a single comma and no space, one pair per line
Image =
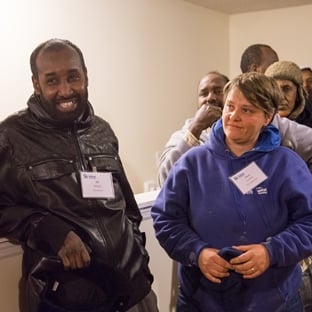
268,140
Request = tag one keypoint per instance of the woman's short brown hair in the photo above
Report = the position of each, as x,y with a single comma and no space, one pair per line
260,90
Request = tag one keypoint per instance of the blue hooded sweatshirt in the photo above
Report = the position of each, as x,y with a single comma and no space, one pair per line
199,206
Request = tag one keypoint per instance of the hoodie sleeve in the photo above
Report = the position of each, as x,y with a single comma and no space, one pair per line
294,243
171,222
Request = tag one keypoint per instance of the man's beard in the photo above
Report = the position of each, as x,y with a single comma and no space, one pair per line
66,117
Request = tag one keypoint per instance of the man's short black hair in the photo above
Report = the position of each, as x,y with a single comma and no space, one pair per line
56,45
252,55
215,72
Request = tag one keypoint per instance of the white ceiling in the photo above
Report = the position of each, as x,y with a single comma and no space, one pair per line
242,6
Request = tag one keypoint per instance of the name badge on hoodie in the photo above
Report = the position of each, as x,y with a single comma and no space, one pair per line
97,185
248,178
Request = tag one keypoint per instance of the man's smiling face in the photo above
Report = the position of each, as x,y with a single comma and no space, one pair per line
62,83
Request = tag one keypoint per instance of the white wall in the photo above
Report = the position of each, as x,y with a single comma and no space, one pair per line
10,272
144,60
286,30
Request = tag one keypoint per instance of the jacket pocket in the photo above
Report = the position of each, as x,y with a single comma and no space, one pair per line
109,163
51,169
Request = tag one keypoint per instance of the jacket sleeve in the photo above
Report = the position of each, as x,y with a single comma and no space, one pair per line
175,148
295,136
21,222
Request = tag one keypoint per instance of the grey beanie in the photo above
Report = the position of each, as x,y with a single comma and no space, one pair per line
287,70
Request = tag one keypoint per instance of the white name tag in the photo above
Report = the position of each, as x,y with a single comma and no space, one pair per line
97,184
248,178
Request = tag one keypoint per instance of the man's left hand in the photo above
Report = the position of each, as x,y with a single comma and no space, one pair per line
74,253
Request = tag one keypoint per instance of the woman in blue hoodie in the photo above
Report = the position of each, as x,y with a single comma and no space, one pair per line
240,190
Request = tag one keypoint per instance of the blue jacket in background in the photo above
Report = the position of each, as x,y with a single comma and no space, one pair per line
199,206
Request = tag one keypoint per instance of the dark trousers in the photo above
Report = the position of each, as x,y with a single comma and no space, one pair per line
148,304
294,304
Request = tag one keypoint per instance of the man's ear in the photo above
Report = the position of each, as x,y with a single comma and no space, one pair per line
36,86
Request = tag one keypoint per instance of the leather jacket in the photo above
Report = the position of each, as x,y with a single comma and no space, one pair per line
41,201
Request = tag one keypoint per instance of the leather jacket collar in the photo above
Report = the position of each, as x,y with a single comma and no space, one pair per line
35,106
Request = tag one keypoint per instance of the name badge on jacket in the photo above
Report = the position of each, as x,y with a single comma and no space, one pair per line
97,185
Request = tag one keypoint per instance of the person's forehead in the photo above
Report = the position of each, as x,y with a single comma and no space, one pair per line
306,72
213,80
58,57
284,82
236,94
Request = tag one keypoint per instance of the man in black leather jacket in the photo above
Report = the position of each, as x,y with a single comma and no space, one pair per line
65,198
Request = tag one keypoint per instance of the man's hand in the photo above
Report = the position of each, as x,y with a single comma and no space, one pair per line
205,116
74,253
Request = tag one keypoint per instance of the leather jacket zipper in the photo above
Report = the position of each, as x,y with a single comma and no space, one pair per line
81,160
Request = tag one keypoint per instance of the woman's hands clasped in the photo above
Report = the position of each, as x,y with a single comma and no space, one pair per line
252,263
